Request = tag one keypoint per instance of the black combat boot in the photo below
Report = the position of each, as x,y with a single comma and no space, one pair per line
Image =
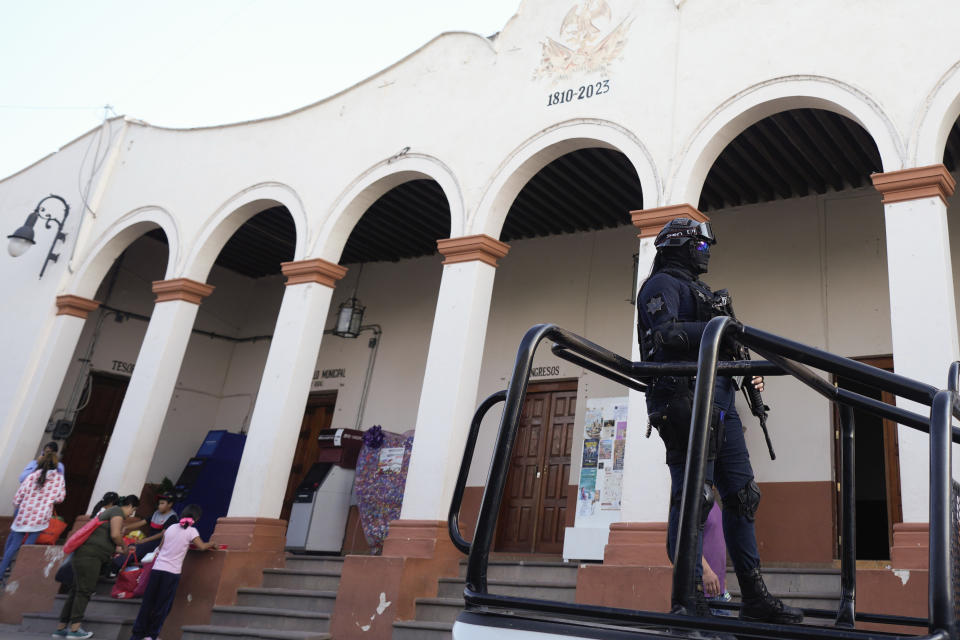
759,605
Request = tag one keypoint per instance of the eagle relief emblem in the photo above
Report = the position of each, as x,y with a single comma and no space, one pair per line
588,41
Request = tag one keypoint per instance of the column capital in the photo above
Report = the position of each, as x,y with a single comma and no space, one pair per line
467,248
933,181
181,289
651,221
314,270
71,305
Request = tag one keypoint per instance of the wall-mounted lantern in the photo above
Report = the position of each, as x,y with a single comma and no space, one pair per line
349,319
23,238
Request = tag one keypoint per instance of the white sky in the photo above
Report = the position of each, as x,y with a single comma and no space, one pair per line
185,63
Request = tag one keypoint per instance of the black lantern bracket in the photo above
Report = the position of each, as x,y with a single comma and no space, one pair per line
23,238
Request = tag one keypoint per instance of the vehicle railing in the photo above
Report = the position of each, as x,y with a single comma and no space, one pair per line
453,517
783,357
793,357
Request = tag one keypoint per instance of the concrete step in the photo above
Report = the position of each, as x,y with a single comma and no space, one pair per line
103,627
555,572
438,609
331,564
270,618
453,588
416,630
16,634
299,599
802,580
828,601
812,622
301,579
214,632
105,606
104,585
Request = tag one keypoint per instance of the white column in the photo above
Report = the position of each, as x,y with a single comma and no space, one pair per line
27,427
923,319
449,394
147,398
646,480
275,424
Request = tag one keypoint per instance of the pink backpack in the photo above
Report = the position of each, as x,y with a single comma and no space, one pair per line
81,535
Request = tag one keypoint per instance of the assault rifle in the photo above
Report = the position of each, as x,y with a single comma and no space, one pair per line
723,305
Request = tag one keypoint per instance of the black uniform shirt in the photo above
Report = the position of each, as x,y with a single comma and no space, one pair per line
672,297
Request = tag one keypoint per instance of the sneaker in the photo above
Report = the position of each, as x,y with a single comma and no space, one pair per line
59,633
79,634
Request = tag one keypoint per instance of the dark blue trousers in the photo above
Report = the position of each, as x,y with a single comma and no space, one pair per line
729,472
156,605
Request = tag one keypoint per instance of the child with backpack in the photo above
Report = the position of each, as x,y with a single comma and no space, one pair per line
165,575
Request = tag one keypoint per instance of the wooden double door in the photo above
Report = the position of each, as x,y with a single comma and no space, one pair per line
84,450
533,516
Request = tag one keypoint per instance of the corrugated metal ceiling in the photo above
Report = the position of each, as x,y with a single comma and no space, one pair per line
790,154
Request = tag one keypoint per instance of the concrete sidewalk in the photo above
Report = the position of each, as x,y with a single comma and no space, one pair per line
12,632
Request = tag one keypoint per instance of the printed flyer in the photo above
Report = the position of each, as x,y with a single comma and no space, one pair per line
590,449
601,471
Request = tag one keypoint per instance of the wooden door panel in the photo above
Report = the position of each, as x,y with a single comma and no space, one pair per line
521,495
556,472
85,448
529,482
533,516
550,522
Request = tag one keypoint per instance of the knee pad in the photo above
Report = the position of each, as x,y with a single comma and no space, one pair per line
707,503
746,502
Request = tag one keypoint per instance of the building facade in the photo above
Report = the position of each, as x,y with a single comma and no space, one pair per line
473,189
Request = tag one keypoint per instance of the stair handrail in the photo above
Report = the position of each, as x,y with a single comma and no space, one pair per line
783,357
453,516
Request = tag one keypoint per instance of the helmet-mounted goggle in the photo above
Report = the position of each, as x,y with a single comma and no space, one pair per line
677,237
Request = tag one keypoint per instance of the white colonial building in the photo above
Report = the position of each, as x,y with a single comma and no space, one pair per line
477,187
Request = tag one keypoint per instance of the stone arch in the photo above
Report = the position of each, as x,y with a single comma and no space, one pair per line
751,105
117,238
540,150
232,214
371,185
939,111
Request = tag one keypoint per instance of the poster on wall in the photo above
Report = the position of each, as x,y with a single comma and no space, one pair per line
589,453
587,495
601,471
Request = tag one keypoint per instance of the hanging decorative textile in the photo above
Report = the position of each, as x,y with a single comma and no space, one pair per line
380,480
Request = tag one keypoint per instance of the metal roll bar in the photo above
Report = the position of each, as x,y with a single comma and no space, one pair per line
783,357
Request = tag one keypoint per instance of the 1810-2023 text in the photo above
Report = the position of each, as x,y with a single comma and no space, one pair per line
582,92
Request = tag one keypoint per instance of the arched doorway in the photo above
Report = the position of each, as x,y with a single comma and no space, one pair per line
571,263
801,245
95,385
220,374
394,274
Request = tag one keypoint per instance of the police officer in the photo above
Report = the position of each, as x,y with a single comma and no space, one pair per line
673,308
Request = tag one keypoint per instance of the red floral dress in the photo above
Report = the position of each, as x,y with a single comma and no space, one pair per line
36,503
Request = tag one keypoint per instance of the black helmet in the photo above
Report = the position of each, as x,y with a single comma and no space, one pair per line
678,231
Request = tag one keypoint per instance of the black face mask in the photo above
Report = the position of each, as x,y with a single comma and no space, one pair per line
699,251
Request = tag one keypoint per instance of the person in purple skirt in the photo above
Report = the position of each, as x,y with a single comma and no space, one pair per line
715,561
